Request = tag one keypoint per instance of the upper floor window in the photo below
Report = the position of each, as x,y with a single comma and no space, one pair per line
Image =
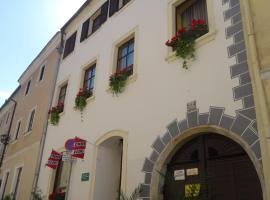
89,78
70,44
41,74
115,5
27,87
16,135
189,10
7,118
125,58
95,21
17,182
62,95
31,120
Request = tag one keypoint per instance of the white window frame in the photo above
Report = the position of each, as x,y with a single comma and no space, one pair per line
15,178
4,181
28,121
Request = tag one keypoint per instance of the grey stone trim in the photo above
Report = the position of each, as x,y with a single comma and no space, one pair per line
158,145
145,190
242,91
154,156
241,57
226,121
147,178
240,124
231,30
231,12
192,118
147,166
173,128
238,69
236,18
249,136
183,125
244,78
166,138
254,126
238,37
215,115
248,112
236,48
203,118
257,149
248,101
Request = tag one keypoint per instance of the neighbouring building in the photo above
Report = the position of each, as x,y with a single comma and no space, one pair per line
28,126
177,132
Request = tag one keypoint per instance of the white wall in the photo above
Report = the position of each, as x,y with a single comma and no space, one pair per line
157,96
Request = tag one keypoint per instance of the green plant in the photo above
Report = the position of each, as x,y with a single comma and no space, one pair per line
134,195
118,80
37,195
184,41
54,113
9,197
81,97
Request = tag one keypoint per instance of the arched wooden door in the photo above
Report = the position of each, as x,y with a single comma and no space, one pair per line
211,167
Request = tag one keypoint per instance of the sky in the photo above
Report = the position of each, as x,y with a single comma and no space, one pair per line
26,27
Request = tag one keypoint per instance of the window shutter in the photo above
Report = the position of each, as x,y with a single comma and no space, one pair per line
70,44
114,4
104,12
85,28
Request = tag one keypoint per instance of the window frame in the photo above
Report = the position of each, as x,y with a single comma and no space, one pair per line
4,183
70,44
120,57
65,85
16,180
30,119
17,130
92,77
172,5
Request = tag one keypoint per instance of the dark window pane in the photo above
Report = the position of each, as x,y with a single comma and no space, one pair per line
70,44
41,73
125,55
130,59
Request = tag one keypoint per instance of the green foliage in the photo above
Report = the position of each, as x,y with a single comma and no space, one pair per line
55,114
80,100
38,195
184,41
134,195
9,197
118,80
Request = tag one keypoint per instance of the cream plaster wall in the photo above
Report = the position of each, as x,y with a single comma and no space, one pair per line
159,93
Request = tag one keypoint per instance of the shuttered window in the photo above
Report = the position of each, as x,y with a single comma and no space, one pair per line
189,10
95,21
116,5
70,44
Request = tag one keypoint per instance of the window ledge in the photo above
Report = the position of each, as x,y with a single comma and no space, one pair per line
27,133
61,114
90,99
130,80
198,43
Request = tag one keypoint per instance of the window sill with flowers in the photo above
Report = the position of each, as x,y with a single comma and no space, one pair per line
198,35
55,113
82,97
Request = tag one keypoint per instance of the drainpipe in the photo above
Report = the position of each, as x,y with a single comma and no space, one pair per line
259,97
46,122
9,128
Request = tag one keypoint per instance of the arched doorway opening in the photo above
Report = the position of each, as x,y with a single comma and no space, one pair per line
211,167
109,169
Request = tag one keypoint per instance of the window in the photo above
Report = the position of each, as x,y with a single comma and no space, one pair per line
62,95
70,44
189,10
125,58
89,78
4,185
95,21
27,87
17,130
7,118
115,5
41,75
17,182
31,119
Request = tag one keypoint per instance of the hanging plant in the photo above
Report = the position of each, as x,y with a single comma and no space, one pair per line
57,196
184,41
81,97
54,113
118,80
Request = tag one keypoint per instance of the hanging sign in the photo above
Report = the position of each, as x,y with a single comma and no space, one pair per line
54,159
179,175
79,147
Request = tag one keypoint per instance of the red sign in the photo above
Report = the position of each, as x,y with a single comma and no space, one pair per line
54,159
79,148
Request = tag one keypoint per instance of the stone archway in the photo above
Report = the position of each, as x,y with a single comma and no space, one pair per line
239,128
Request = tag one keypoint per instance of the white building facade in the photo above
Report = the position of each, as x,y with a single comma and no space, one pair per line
164,112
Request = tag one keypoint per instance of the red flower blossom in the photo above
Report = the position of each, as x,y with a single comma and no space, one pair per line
181,30
201,22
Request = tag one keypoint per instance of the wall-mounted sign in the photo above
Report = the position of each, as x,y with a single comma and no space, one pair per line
69,144
179,175
193,172
85,176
